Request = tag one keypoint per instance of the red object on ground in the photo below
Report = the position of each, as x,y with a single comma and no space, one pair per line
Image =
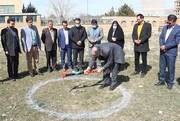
63,75
92,71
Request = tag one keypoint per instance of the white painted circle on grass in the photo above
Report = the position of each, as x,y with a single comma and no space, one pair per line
96,114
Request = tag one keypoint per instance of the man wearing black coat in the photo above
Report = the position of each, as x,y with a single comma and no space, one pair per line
11,46
113,55
141,34
49,38
78,35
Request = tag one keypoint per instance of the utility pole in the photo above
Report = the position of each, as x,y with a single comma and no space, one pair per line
87,7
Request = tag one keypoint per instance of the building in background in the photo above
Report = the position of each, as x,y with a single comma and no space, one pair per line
177,7
154,11
10,6
13,9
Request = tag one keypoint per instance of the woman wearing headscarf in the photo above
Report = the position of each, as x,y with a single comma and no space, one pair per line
116,34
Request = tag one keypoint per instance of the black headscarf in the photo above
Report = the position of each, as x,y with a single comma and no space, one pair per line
119,35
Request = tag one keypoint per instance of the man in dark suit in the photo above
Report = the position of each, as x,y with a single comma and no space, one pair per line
65,45
113,55
11,46
49,37
141,34
169,40
78,35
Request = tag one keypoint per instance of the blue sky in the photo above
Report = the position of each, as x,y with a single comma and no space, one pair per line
96,7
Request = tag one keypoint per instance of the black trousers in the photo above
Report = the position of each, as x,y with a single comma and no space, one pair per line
51,55
81,57
144,61
115,68
12,64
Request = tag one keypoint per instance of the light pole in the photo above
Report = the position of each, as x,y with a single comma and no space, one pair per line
87,7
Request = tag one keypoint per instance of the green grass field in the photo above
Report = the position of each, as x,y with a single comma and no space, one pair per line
148,103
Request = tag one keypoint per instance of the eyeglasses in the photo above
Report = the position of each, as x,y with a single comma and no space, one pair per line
168,23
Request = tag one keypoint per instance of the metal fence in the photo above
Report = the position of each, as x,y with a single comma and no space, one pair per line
84,20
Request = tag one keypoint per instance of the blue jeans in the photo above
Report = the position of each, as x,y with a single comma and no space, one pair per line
69,56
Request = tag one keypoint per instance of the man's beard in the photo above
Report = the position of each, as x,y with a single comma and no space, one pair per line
12,27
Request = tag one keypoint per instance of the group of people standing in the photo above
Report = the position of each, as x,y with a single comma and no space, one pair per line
72,41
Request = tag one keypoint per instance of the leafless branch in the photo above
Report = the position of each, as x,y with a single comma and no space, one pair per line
62,8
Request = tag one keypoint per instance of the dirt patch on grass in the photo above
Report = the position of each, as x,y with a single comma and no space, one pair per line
83,98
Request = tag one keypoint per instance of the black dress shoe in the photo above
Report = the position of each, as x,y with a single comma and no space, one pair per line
31,74
135,73
143,75
38,73
55,70
112,88
48,70
12,79
160,84
103,86
17,77
169,87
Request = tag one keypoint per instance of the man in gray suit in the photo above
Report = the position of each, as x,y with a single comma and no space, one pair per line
113,55
95,35
31,44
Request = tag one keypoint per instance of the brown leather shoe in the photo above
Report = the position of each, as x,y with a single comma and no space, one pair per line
70,69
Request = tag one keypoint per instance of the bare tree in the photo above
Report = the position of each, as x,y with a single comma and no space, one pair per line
63,9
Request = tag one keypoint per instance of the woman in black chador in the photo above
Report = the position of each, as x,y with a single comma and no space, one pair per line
116,34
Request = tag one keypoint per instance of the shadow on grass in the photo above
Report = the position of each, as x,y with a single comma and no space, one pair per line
148,68
86,86
42,70
24,74
124,66
120,80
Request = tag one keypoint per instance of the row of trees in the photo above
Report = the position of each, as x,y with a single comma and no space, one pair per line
64,9
61,8
29,9
124,10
